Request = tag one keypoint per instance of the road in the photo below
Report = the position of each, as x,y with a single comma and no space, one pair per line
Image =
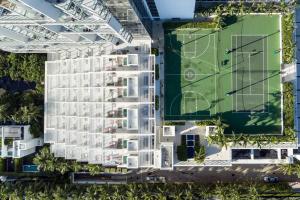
235,173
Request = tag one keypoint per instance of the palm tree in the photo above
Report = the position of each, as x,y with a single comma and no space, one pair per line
30,113
230,9
235,139
241,8
220,191
94,169
256,141
200,154
59,193
45,160
287,169
261,7
4,191
4,111
76,166
63,167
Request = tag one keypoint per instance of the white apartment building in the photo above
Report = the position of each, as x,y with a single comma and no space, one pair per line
100,109
17,142
55,25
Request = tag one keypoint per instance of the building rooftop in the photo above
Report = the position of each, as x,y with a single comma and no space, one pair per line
100,109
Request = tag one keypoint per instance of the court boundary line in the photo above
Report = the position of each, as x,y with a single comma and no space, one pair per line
249,54
195,42
214,65
196,57
197,93
195,74
184,100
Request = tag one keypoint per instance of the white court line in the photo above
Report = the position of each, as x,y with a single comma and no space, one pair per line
263,72
195,46
244,52
250,94
184,74
206,48
263,38
195,99
236,75
204,51
249,71
193,40
216,67
231,78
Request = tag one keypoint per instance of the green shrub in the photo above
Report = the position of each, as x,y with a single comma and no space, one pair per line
157,72
288,105
18,164
8,141
172,123
36,129
182,153
2,164
287,38
200,154
182,25
47,162
156,102
211,122
154,51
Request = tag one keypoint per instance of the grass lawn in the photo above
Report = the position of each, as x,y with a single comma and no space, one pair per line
232,73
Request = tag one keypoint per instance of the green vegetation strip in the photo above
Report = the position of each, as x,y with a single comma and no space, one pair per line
24,107
57,190
288,105
287,38
184,25
48,163
223,140
156,102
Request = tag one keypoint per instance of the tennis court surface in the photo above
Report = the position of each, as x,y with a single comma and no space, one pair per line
232,73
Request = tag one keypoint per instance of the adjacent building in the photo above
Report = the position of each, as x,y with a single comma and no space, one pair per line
17,142
56,25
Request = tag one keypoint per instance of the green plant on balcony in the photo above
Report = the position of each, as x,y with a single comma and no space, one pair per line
156,71
200,154
154,51
156,102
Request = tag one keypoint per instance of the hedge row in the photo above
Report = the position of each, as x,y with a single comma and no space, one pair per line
182,25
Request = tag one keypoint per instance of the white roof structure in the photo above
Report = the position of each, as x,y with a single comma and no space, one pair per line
101,109
17,142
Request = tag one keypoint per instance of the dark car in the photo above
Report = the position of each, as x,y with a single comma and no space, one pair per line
271,179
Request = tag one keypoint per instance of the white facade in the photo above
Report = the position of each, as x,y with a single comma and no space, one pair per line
51,26
100,109
169,9
17,142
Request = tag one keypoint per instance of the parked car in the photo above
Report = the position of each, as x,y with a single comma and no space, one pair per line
271,179
156,179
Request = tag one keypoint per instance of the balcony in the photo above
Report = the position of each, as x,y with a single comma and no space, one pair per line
119,113
113,80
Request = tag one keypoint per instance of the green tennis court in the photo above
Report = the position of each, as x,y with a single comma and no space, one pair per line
232,73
